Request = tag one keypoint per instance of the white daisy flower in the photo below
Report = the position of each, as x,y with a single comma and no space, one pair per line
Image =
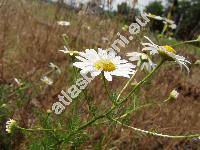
47,80
167,53
102,61
63,23
10,125
66,51
143,60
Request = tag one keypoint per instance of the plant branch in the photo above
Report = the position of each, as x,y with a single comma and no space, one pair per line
181,43
157,134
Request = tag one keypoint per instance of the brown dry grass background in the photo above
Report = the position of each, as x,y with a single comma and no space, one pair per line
30,40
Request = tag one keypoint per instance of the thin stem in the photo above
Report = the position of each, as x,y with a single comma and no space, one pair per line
74,69
40,129
90,122
49,72
168,99
143,80
157,134
191,41
106,86
136,109
127,84
124,115
164,29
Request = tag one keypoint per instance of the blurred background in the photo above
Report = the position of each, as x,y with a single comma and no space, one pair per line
30,38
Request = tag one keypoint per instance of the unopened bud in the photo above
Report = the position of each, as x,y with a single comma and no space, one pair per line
174,95
49,111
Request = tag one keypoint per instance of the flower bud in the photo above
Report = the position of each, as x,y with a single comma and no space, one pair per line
174,95
3,106
49,111
11,125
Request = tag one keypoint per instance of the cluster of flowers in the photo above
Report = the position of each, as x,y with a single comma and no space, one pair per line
110,64
107,62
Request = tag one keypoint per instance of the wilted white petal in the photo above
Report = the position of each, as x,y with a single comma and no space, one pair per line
63,23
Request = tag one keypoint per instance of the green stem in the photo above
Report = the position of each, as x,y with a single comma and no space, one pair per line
157,134
143,80
40,129
191,41
164,29
138,108
106,87
49,72
127,84
90,122
124,115
74,69
168,99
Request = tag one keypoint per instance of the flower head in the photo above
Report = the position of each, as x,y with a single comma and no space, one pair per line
10,125
66,51
166,52
47,80
142,59
174,94
102,61
63,23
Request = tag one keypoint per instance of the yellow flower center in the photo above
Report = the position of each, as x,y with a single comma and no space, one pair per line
169,49
105,65
165,55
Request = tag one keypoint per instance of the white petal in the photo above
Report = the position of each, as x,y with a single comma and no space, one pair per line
108,76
